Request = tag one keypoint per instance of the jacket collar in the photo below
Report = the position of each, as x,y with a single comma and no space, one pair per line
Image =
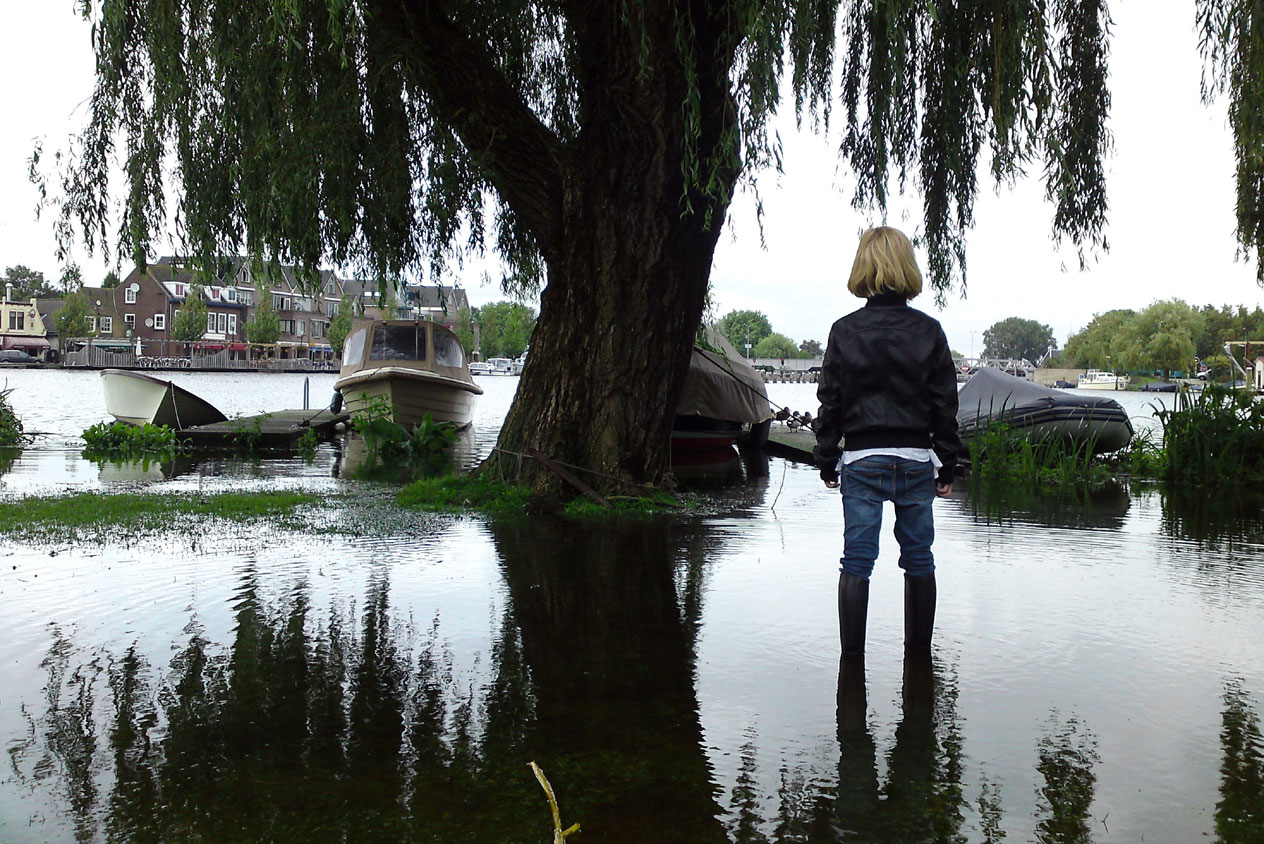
887,300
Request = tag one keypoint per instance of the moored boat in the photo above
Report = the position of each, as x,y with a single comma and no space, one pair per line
140,399
1098,379
723,395
1096,423
412,367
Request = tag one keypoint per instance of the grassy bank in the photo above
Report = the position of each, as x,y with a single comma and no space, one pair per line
83,516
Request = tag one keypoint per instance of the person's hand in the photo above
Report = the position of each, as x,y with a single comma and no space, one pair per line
830,475
943,490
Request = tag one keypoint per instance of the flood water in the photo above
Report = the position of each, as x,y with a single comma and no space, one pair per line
1098,672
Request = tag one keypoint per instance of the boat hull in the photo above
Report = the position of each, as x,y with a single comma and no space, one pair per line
139,399
1093,423
410,394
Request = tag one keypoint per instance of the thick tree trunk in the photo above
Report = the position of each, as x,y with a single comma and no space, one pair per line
628,276
612,343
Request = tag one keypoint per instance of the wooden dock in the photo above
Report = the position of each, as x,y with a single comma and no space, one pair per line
276,430
791,443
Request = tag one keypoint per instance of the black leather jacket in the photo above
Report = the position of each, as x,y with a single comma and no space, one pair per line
888,381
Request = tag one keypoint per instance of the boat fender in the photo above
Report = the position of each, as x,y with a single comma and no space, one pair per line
335,404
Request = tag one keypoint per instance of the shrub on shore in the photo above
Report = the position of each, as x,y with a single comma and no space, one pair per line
12,434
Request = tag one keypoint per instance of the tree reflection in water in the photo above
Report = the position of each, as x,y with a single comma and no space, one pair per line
1238,814
1067,757
355,727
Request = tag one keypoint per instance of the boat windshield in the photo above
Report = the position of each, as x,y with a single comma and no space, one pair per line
353,349
398,342
447,350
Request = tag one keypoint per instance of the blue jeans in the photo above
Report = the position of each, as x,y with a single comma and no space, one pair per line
910,485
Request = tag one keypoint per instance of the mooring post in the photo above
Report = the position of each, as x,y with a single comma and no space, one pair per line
307,391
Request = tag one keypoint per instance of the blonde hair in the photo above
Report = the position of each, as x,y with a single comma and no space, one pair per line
885,264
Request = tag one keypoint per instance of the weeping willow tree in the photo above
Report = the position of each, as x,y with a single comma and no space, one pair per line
593,146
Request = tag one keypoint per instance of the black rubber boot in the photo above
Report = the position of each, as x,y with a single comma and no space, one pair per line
853,611
919,613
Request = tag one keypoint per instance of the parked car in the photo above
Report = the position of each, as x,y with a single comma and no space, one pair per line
16,356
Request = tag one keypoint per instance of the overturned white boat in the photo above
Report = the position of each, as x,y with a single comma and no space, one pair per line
139,399
1096,423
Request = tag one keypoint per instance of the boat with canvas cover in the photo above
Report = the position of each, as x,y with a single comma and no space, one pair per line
139,399
722,396
1097,423
417,367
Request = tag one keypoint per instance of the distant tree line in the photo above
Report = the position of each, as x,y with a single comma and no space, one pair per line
751,333
504,329
1167,336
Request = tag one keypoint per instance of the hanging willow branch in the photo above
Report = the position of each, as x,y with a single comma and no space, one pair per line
402,135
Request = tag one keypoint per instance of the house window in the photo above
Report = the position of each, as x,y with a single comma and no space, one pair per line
287,326
279,303
301,325
92,323
17,320
129,296
129,320
245,297
107,324
230,294
160,321
210,322
221,321
232,323
179,289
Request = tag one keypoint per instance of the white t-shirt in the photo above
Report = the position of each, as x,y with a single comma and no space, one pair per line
919,455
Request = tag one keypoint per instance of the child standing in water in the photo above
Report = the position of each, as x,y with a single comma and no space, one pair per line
888,390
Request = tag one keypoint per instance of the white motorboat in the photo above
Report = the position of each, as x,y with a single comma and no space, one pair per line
140,399
1099,379
417,367
501,366
480,367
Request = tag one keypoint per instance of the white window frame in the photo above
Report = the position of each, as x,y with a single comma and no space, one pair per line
107,325
221,323
160,321
129,320
129,296
232,324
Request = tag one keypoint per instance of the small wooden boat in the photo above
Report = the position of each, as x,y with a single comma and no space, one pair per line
140,399
1097,423
412,367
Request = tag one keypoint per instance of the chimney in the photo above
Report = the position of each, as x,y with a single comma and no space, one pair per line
8,291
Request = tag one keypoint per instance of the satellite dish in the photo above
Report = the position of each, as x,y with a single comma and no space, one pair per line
135,287
149,322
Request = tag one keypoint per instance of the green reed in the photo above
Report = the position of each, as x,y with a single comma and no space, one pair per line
1216,437
1001,455
425,448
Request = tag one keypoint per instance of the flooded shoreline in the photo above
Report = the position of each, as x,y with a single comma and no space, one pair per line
1097,673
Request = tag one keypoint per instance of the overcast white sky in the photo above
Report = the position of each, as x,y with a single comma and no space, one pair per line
1170,183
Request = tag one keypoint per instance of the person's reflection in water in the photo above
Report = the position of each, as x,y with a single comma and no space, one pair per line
921,800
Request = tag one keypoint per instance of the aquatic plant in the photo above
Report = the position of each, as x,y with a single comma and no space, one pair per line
425,448
120,440
1215,437
246,438
76,517
455,494
1000,454
12,433
307,443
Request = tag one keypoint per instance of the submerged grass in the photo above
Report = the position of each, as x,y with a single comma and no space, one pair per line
479,494
87,515
999,455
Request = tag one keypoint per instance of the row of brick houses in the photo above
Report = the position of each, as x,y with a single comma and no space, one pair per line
139,314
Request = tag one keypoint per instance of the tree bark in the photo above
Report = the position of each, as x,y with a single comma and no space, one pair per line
626,217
